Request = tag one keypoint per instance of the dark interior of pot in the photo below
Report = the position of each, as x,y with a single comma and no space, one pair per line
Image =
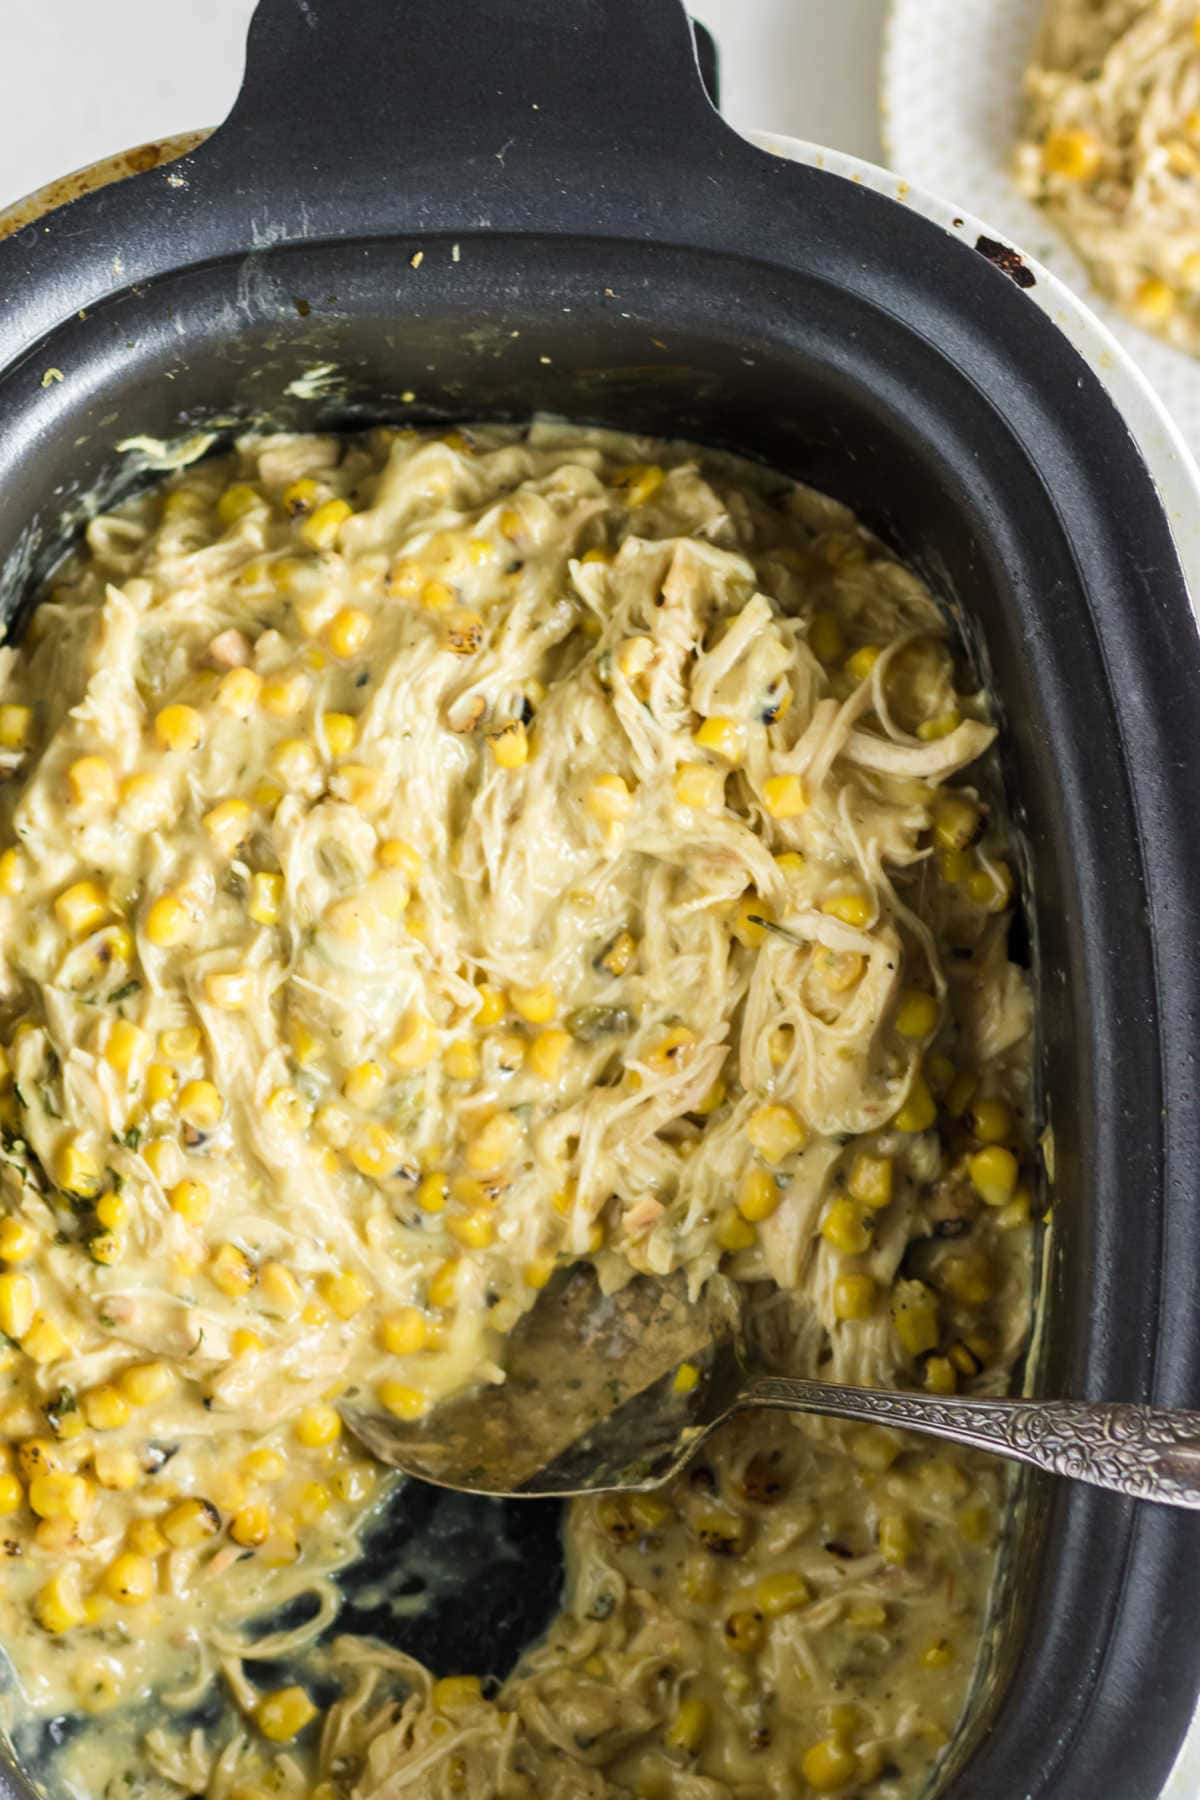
869,356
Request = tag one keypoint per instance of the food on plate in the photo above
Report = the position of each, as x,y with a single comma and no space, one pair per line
393,836
1110,148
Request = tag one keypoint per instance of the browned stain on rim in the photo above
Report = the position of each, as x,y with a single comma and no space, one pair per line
97,175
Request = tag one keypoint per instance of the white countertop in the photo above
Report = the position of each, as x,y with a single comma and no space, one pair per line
81,79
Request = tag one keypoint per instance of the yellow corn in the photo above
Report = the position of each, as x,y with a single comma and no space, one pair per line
168,922
609,799
826,639
106,1408
509,744
200,1105
18,1303
117,1469
453,1692
282,1715
127,1047
1073,153
318,1425
735,1233
395,853
991,1121
829,1765
16,727
784,796
402,1401
13,872
231,1270
17,1240
364,1084
940,1376
994,1174
144,1383
955,822
493,1144
461,1060
844,1227
79,909
431,1192
699,786
870,1180
12,1495
161,1085
229,989
344,1293
443,1283
57,1495
919,1111
896,1542
228,825
319,530
854,1296
92,782
77,1170
129,1579
861,663
404,1332
546,1054
251,1525
775,1132
916,1014
57,1606
348,631
852,907
179,728
688,1727
537,1004
237,500
776,1595
238,691
191,1200
284,695
417,1043
723,737
687,1378
915,1316
929,730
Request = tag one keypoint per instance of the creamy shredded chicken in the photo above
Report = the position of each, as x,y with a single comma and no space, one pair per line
1110,147
426,861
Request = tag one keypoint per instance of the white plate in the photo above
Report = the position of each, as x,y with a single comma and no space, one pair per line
951,101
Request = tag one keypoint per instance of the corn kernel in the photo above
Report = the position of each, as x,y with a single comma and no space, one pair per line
231,1270
200,1105
81,908
443,1283
687,1379
280,1289
493,1144
919,1111
144,1383
348,631
77,1170
735,1233
344,1293
844,1227
509,744
760,1195
18,1303
318,1425
364,1084
17,1240
896,1542
129,1579
58,1495
238,691
915,1316
16,727
92,782
916,1014
179,728
161,1084
699,786
723,737
854,1296
402,1401
127,1047
230,990
775,1132
106,1408
536,1004
940,1375
609,799
57,1606
319,530
192,1200
829,1765
13,872
991,1121
417,1043
1073,153
117,1469
784,796
453,1692
688,1727
994,1173
168,922
546,1054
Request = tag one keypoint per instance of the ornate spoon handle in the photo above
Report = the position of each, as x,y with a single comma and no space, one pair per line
1146,1452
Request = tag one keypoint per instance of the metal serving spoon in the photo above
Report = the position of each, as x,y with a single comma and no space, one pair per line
618,1391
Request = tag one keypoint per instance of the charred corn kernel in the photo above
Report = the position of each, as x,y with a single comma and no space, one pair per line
129,1579
12,1495
364,1084
870,1180
77,1170
229,989
161,1084
750,919
919,1111
144,1383
639,482
609,799
57,1495
318,1425
826,638
238,691
237,500
348,631
344,1293
300,497
18,1303
443,1283
688,1726
940,1375
960,1093
991,1121
915,1316
854,1296
547,1052
106,1408
537,1004
916,1014
509,744
1072,153
896,1541
179,728
783,1593
231,1270
117,1469
92,782
200,1105
37,1456
376,1151
251,1525
404,1332
284,695
282,1715
929,730
994,1173
81,908
1155,299
775,1132
127,1047
955,822
845,1228
417,1043
784,796
319,530
735,1233
16,727
723,737
57,1606
494,1144
266,892
280,1290
699,786
431,1192
395,853
852,907
17,1240
759,1196
13,872
829,1765
744,1631
103,1247
462,630
862,661
670,1051
476,1230
168,922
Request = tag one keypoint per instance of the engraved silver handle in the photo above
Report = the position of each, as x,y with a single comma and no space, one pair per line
1145,1452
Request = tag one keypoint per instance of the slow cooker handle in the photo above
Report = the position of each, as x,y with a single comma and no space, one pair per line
418,115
